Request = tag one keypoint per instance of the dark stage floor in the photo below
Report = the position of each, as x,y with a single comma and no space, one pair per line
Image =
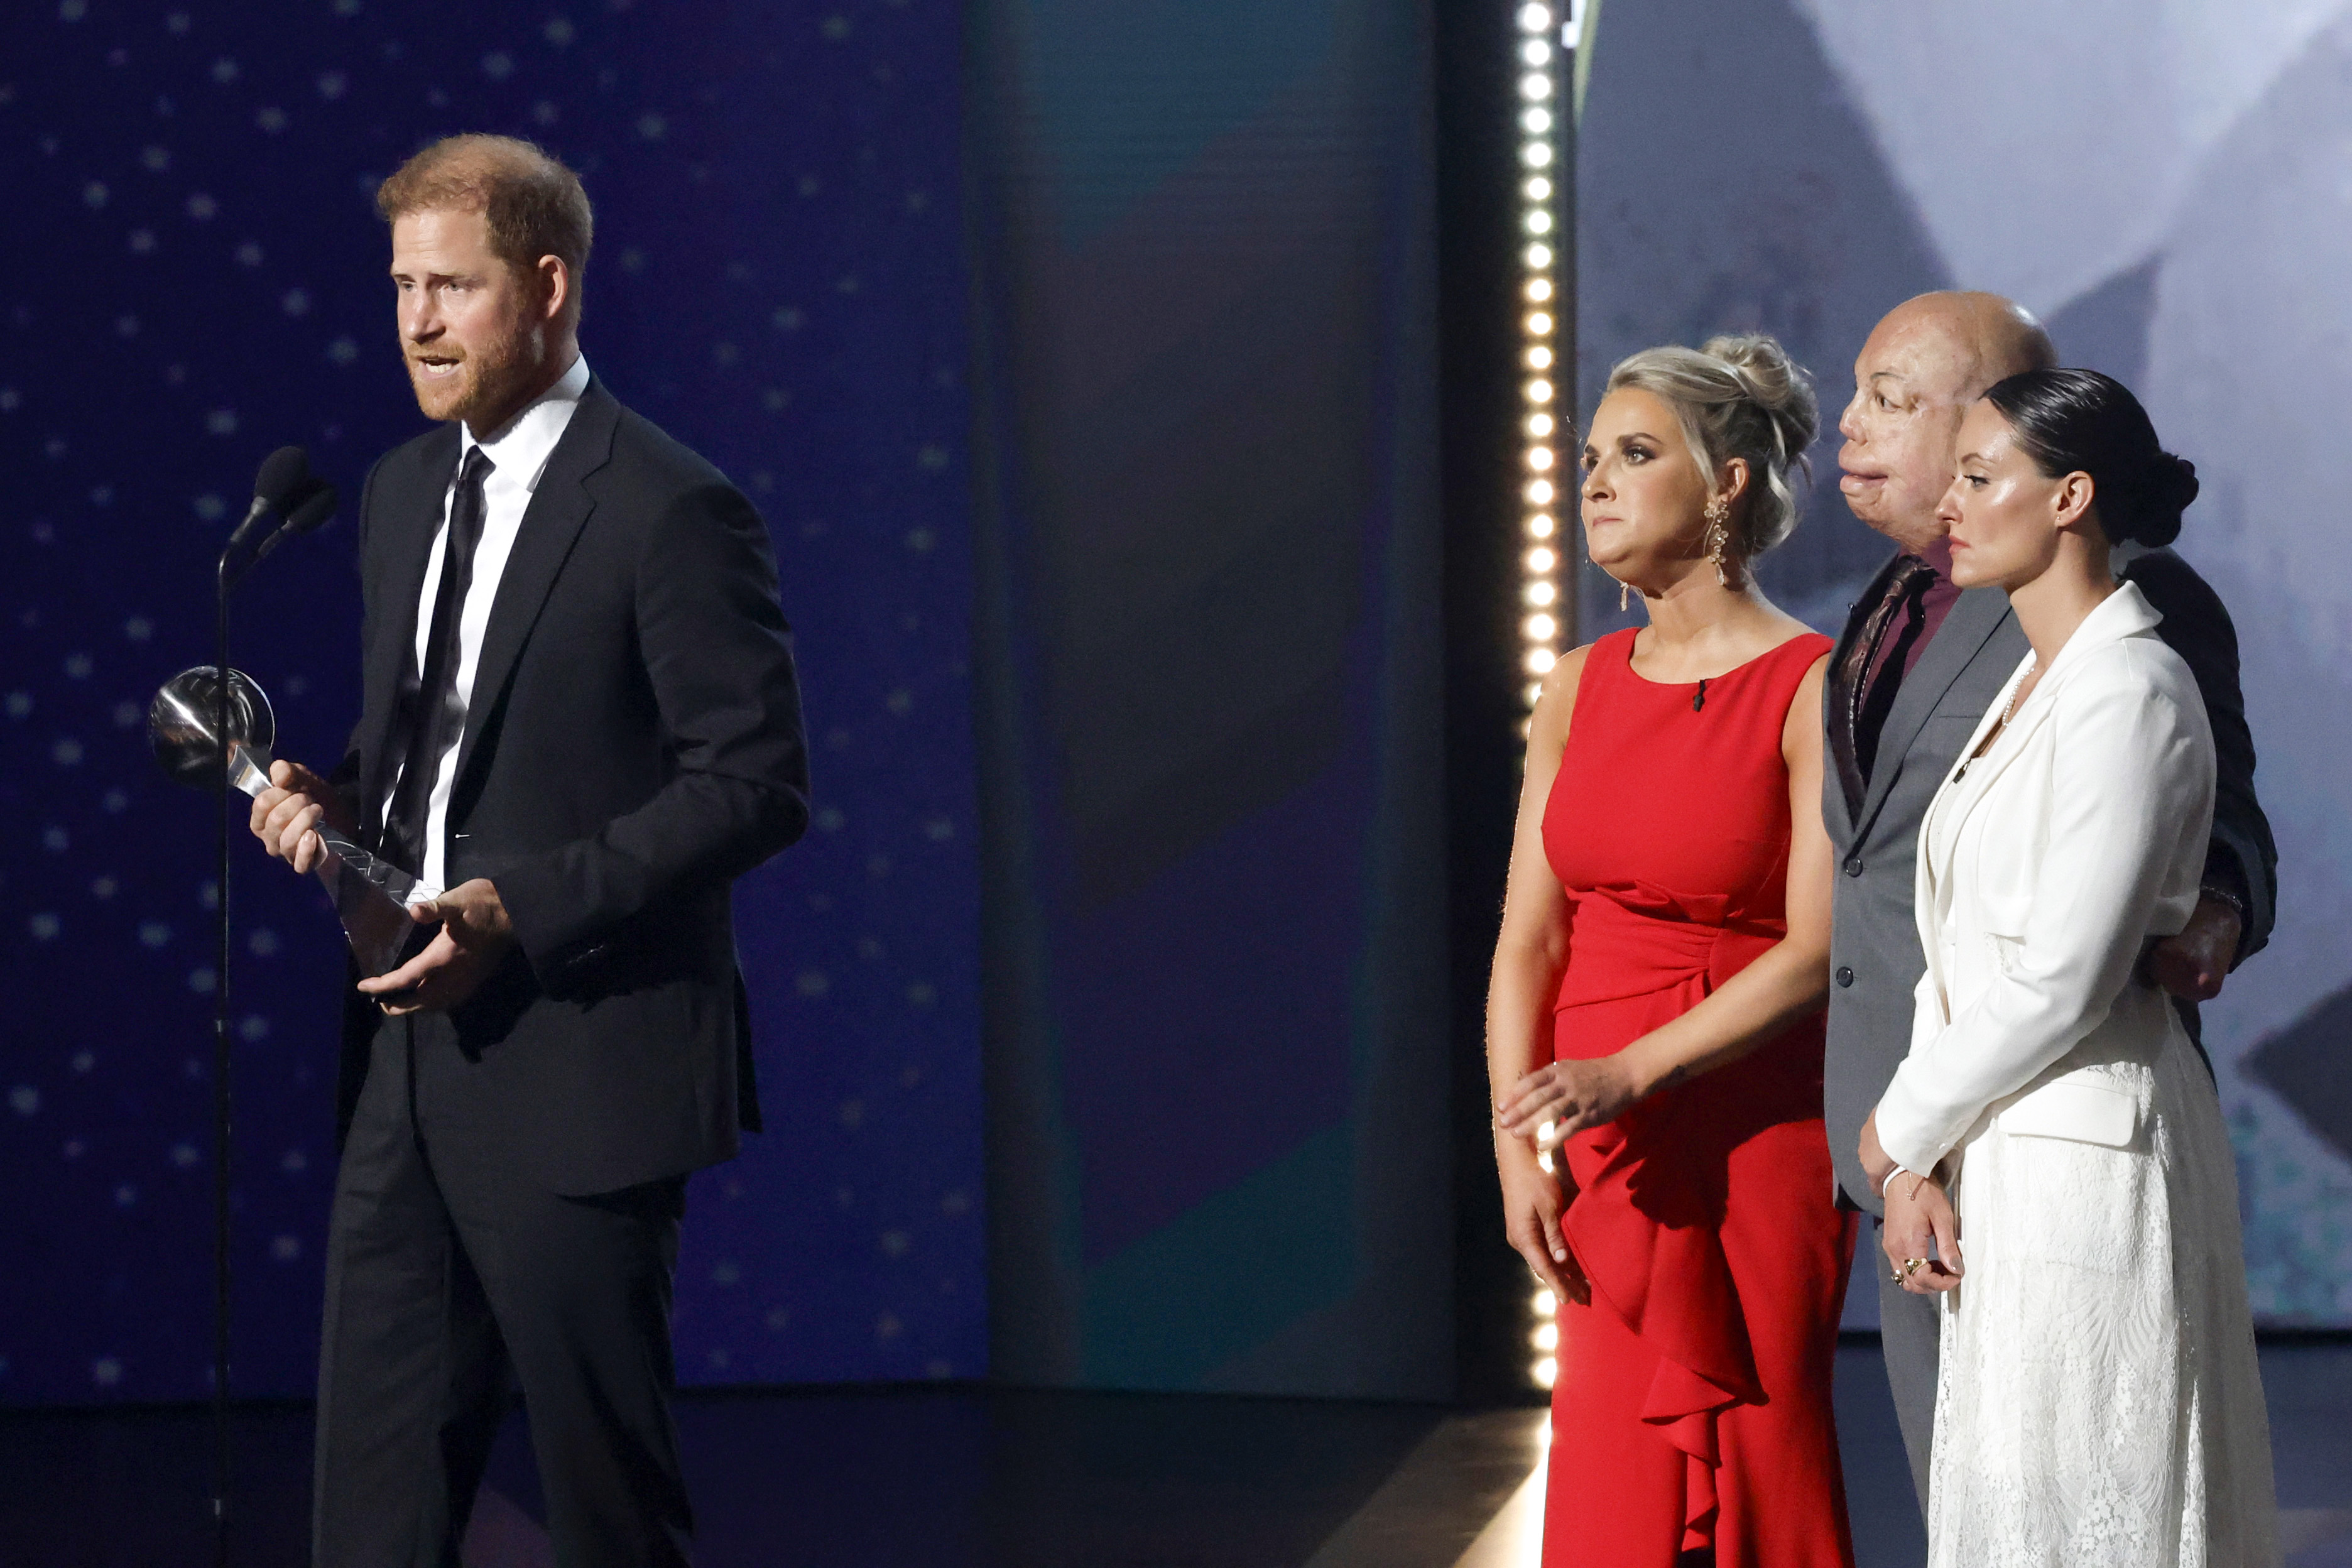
940,1478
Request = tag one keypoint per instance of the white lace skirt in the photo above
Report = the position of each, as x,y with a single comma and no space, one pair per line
2098,1401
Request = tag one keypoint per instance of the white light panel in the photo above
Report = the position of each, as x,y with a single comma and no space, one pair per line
1545,69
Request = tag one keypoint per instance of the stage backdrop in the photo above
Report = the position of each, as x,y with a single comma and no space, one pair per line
1209,695
2166,187
195,275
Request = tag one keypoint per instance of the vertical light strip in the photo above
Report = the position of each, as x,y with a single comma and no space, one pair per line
1546,71
1545,433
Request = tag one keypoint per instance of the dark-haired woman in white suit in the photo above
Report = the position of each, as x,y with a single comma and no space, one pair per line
2055,1161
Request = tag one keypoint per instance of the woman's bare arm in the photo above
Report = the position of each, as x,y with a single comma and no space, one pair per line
1750,1008
1530,954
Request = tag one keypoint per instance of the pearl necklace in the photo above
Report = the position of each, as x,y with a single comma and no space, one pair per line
2016,696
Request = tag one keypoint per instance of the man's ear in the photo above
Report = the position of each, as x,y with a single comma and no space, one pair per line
555,282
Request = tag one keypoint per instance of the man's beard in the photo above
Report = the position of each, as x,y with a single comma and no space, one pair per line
485,380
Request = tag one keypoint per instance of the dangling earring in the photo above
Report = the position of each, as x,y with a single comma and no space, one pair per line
1718,537
1624,594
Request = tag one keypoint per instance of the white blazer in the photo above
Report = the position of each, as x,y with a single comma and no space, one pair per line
2045,868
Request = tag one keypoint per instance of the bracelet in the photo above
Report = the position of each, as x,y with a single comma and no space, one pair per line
2220,894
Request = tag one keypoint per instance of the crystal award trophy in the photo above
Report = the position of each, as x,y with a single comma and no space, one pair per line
372,896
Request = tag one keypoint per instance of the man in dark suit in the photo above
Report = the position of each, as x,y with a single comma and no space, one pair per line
580,717
1920,663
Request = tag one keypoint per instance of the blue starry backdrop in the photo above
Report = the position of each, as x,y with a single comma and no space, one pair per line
196,276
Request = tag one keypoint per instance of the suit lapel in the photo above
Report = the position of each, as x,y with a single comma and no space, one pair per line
1969,624
559,509
405,522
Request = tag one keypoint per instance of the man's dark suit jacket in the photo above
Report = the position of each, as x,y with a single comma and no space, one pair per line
633,743
1875,956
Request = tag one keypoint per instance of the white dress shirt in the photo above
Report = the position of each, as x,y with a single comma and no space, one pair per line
519,450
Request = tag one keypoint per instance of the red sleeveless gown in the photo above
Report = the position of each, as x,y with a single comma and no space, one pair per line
1691,1406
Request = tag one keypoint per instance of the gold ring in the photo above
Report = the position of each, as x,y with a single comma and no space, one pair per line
1912,1266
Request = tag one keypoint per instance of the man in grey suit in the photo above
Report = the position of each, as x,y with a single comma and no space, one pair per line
1919,664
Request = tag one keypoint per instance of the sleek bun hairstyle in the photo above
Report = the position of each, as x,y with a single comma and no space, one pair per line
1740,395
2080,422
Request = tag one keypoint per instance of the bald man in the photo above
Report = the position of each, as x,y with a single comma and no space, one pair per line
1920,663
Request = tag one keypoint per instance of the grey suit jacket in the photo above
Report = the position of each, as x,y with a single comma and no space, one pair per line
1874,957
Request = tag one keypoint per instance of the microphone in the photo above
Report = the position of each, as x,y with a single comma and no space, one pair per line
285,475
308,510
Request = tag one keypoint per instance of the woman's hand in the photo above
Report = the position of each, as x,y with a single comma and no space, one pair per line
1533,1200
1922,1236
1572,1095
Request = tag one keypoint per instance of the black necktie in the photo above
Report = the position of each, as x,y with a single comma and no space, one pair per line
430,711
1879,700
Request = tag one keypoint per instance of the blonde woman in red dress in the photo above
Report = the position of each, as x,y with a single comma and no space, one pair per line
1657,999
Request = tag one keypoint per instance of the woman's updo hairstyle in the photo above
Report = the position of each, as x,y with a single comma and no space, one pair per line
2078,421
1740,395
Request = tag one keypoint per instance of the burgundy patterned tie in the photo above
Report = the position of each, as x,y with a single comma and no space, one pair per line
1862,703
1885,675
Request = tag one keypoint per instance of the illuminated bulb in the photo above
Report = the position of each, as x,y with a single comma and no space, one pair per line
1540,492
1539,391
1544,1373
1536,52
1535,18
1540,425
1539,357
1535,84
1538,257
1539,221
1539,526
1543,1161
1526,727
1534,693
1546,1337
1538,289
1544,1304
1536,154
1541,593
1541,457
1542,558
1538,189
1539,661
1536,121
1539,322
1538,628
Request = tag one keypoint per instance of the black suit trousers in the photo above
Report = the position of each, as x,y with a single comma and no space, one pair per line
452,1278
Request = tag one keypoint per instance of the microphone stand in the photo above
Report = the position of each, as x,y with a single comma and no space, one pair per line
224,580
317,506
